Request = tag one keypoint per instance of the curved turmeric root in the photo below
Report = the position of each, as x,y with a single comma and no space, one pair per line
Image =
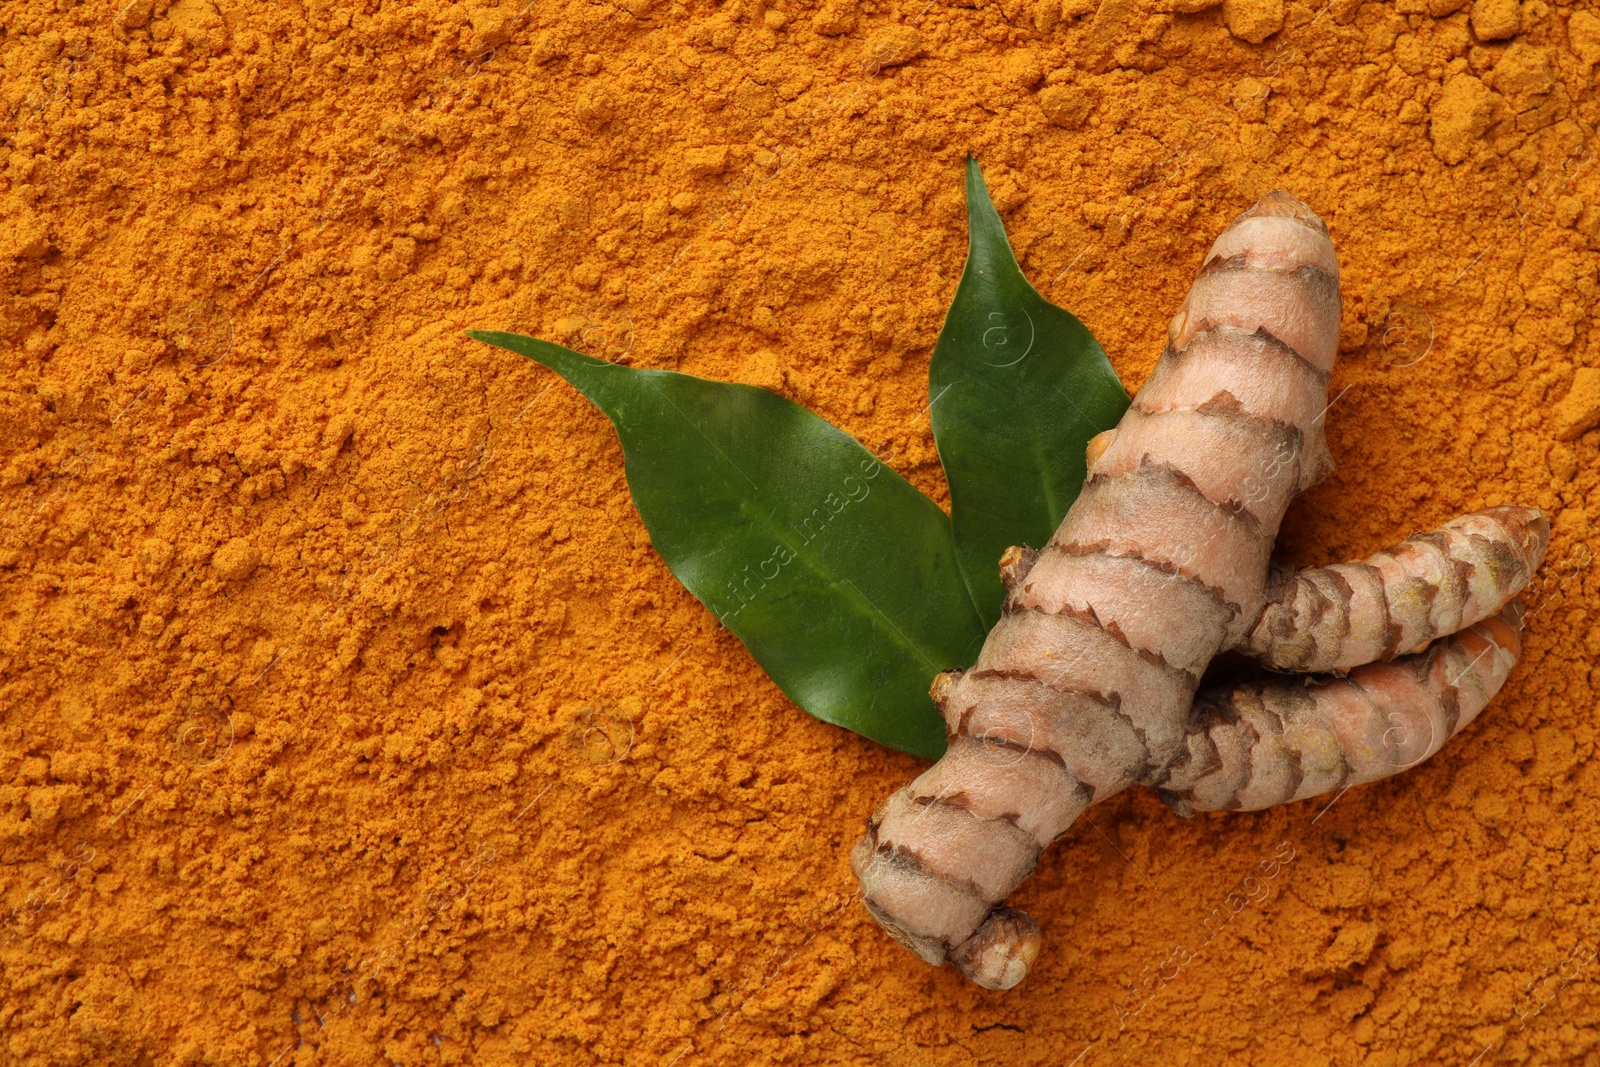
1431,584
1087,685
1271,742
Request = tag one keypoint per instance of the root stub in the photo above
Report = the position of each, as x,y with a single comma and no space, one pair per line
1097,446
999,954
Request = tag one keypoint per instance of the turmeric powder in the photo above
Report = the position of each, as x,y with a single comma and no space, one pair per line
452,586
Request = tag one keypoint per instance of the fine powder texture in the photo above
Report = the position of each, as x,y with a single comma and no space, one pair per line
349,715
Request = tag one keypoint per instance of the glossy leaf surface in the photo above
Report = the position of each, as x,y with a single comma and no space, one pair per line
836,573
1018,386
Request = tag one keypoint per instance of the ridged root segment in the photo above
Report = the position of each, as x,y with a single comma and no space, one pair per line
1339,617
941,854
1084,686
1261,744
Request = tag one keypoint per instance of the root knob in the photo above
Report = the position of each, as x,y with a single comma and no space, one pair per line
999,954
1097,446
1015,563
943,684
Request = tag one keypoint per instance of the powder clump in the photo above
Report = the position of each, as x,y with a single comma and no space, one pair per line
1253,20
1459,118
1579,411
236,560
1496,20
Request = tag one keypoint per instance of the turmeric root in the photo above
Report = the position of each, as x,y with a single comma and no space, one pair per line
1088,684
1253,746
1335,618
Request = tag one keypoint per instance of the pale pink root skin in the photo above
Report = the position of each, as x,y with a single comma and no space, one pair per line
1267,743
1219,461
1249,298
1230,365
1257,293
1265,243
1084,687
1083,582
1397,600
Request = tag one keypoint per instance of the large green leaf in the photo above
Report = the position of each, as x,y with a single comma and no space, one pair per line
1018,386
836,573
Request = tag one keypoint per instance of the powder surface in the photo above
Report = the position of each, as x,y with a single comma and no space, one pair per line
349,716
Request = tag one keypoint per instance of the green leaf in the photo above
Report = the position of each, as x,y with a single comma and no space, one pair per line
1018,386
836,573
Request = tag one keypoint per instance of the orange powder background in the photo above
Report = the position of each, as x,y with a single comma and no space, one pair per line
350,717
